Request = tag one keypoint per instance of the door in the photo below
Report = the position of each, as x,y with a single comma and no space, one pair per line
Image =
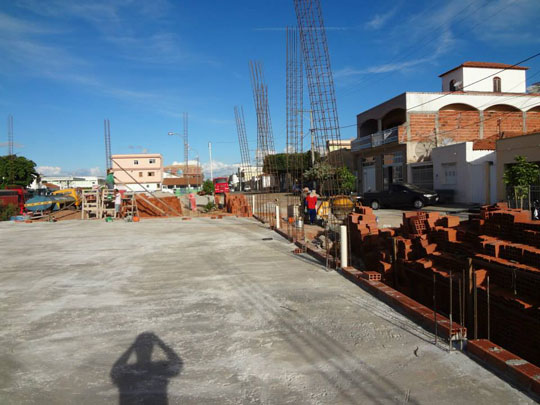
368,182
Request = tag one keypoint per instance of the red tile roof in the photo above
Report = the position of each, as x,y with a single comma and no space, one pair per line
490,65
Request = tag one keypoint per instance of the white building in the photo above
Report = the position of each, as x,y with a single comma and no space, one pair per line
468,175
73,181
470,76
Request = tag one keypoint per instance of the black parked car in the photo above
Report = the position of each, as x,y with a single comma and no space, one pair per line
401,195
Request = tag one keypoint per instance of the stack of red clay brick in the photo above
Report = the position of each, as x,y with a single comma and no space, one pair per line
169,206
504,245
237,204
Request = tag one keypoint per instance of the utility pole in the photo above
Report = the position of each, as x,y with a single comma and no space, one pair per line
211,167
10,135
312,132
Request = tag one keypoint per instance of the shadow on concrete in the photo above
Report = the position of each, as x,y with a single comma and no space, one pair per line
145,381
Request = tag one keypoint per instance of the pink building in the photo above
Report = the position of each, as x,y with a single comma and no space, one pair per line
138,171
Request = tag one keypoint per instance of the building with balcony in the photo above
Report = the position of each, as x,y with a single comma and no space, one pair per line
138,171
478,100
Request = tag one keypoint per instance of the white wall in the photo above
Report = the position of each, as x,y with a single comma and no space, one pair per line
139,188
456,75
512,80
429,102
471,172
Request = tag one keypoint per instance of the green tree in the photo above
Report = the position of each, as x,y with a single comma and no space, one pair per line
346,180
17,170
321,172
208,186
520,176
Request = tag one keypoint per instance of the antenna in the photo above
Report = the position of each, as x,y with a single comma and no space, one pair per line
10,134
186,145
108,156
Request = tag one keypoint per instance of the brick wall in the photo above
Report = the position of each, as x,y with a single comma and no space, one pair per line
510,122
422,126
459,125
464,126
533,121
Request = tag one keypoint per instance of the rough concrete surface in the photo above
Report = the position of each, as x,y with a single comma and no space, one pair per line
235,320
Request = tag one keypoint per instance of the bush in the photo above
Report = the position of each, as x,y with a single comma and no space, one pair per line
7,211
208,186
210,206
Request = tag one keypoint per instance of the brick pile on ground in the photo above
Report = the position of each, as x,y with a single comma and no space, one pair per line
169,205
503,243
237,204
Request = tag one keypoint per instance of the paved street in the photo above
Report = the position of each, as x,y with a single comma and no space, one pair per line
206,312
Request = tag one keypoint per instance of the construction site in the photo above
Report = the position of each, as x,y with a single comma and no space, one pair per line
130,292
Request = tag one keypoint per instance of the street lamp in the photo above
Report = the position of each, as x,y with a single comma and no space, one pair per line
175,133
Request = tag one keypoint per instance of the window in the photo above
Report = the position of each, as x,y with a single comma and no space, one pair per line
497,84
150,174
135,162
140,174
452,85
450,173
152,161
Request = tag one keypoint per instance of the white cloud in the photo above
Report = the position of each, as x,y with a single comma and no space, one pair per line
138,148
90,171
380,19
49,170
218,168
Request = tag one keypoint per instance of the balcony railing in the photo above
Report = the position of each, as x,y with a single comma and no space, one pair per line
377,139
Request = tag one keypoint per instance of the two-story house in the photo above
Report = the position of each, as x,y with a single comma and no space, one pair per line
478,100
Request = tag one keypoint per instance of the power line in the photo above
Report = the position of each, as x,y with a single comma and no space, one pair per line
477,81
416,48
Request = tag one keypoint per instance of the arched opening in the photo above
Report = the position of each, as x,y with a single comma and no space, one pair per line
394,118
368,127
458,107
497,84
452,85
534,109
502,107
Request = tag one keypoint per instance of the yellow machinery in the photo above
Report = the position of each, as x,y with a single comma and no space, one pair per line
69,192
341,206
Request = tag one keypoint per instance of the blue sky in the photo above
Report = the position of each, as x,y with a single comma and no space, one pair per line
68,64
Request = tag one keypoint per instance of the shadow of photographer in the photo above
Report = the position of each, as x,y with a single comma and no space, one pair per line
145,381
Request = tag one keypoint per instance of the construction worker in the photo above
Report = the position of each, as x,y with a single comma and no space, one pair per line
311,202
109,180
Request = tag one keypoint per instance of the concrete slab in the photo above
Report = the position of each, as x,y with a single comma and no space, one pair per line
236,319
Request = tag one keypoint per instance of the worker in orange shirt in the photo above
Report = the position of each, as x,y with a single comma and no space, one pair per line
311,201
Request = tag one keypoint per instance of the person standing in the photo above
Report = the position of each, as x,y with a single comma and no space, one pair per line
109,180
311,202
117,204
